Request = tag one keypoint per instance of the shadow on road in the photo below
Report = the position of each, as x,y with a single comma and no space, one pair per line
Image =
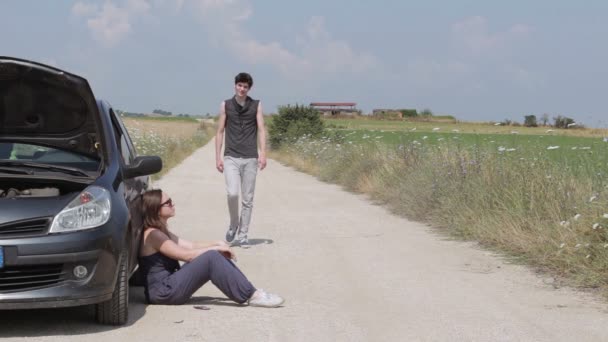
255,242
211,301
65,321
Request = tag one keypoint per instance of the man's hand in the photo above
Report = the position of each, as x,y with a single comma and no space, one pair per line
262,161
219,165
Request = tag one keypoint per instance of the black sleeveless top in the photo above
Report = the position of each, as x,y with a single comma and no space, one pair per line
241,128
155,269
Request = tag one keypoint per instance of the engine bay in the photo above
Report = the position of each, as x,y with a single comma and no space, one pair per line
35,192
37,188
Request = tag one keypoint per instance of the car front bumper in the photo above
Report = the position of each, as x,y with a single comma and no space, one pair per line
39,272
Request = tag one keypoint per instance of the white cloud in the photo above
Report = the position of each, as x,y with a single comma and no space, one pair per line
84,9
475,54
331,55
111,23
138,6
473,36
317,50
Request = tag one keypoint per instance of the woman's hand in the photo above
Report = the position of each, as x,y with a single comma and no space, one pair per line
221,243
227,252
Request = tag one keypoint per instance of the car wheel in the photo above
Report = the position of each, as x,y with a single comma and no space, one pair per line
115,311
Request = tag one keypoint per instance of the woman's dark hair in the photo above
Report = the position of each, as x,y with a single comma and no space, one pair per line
244,77
151,203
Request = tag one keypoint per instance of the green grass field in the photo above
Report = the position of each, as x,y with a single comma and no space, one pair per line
541,197
171,138
462,127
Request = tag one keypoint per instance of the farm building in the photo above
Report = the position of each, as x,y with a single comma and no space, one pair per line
335,108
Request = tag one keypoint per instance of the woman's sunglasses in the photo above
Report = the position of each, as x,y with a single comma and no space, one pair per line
168,202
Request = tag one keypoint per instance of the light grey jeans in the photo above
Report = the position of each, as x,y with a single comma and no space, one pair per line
240,173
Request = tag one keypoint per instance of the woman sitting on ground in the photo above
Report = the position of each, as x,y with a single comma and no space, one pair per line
167,283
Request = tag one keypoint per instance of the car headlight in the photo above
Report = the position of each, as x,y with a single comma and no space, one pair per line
90,209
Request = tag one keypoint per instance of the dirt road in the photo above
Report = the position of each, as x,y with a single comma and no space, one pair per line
350,271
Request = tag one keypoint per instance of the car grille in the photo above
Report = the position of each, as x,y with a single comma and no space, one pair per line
19,278
25,228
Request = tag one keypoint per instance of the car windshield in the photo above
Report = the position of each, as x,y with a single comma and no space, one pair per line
46,155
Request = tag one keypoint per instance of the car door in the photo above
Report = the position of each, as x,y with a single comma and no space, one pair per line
134,187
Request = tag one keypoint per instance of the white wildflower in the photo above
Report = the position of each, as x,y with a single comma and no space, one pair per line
424,137
592,198
501,149
577,216
588,256
606,245
549,131
514,132
605,139
511,149
564,223
574,148
436,129
596,225
577,245
413,129
455,130
562,245
605,216
552,147
497,124
586,148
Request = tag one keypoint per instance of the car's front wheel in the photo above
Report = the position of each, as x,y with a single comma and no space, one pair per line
115,311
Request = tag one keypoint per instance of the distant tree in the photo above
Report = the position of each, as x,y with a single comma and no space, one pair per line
162,112
426,112
408,113
530,121
293,122
544,119
563,121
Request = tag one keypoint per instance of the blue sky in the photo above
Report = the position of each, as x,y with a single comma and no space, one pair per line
477,60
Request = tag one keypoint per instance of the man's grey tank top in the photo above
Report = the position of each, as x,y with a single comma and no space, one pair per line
241,128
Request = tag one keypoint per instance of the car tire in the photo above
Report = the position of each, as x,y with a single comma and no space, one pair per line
115,311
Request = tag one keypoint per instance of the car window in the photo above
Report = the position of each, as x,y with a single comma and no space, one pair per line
124,143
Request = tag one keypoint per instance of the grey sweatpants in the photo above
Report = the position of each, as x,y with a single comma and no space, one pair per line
240,173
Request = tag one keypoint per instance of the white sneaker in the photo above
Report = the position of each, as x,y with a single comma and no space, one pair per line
264,299
241,241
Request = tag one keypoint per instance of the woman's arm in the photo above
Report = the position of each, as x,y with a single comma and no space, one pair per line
162,243
195,245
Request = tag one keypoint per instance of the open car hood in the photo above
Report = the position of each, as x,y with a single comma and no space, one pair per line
43,105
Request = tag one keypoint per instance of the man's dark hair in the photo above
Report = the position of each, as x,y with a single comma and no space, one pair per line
244,77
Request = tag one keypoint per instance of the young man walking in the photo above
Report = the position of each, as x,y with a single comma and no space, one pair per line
242,120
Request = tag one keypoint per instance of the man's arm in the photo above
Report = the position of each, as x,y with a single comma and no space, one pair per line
219,138
261,137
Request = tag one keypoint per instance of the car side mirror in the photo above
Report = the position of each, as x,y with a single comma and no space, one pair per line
142,166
